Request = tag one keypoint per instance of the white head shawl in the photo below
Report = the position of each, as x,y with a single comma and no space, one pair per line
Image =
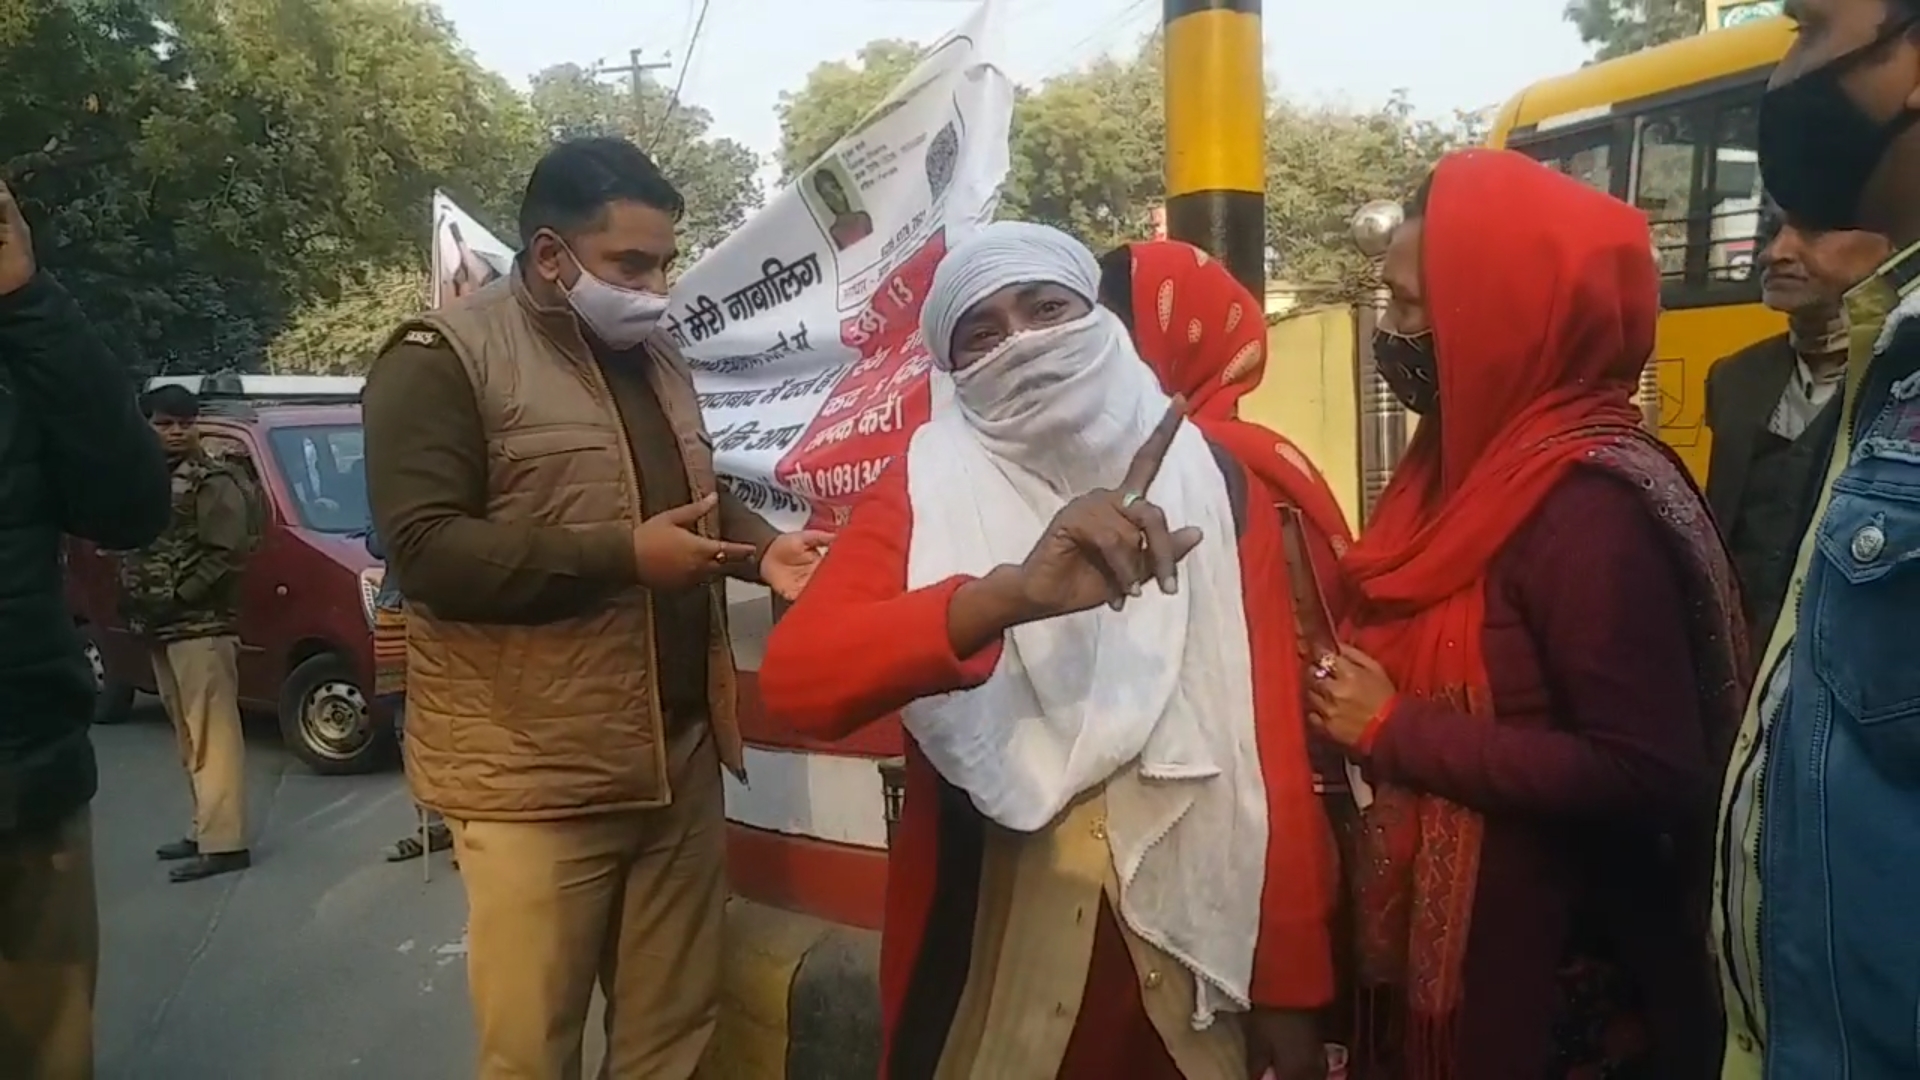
1067,403
1151,705
998,255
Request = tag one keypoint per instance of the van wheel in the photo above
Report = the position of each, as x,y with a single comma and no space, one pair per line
112,701
325,721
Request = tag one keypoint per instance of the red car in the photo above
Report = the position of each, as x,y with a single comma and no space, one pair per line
306,647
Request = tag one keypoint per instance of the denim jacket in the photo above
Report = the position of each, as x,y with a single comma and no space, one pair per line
1817,917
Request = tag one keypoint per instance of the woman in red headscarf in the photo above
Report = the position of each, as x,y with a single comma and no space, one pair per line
1543,669
1205,336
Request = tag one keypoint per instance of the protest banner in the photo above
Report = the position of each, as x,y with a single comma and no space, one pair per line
803,328
464,256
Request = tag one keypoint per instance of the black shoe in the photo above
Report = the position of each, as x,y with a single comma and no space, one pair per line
206,866
179,849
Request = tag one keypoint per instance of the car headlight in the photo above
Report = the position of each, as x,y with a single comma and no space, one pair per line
370,581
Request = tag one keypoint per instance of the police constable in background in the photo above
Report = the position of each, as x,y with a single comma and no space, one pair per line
1774,406
182,594
74,458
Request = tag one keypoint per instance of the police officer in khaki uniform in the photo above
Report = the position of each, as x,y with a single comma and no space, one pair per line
183,593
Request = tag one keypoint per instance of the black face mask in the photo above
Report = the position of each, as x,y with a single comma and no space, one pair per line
1407,364
1817,148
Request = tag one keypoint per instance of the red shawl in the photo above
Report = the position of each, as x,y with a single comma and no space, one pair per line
1542,295
1205,336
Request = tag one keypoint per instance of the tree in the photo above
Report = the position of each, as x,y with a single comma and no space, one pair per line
198,171
1323,164
1089,151
194,169
342,335
715,175
78,84
836,96
335,120
1618,27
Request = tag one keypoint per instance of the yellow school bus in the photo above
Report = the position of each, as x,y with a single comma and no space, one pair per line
1675,131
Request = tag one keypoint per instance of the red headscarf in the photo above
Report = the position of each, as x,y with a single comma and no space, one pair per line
1205,336
1542,294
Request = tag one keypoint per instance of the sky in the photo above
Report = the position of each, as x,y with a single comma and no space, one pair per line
1351,52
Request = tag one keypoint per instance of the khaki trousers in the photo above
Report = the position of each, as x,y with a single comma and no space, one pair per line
199,681
633,901
49,952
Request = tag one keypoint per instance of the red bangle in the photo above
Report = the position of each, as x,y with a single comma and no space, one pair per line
1368,734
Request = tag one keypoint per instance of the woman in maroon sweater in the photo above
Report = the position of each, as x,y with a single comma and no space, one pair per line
1558,656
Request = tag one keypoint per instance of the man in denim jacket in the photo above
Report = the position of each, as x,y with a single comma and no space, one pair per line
1818,864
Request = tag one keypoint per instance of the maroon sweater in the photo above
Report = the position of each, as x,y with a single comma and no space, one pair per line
1594,779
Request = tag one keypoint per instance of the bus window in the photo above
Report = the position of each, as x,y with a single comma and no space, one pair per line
1683,151
1586,156
1736,189
1591,166
1663,185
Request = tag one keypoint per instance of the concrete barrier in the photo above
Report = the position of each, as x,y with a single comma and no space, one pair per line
800,999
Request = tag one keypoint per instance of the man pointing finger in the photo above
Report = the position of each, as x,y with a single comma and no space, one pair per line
539,470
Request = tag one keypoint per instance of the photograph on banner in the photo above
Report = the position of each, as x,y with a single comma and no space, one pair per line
802,328
466,257
836,204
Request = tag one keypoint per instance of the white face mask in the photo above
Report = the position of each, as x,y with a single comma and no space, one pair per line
1066,402
620,318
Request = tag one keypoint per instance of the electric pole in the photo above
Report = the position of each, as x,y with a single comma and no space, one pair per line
635,70
1216,105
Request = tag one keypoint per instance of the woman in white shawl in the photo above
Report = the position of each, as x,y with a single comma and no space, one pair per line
1110,861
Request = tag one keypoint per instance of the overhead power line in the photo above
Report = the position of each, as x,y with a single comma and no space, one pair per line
680,81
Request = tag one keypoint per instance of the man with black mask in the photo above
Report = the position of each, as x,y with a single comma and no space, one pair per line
1818,863
1774,406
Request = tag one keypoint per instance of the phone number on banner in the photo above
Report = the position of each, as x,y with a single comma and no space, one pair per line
838,481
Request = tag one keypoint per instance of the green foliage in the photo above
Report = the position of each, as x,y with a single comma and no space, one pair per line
340,330
716,175
836,96
196,168
199,172
1618,27
342,335
123,222
1088,153
1323,164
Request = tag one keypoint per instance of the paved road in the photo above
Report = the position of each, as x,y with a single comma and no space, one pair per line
320,962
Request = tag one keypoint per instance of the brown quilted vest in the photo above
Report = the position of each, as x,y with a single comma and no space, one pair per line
529,723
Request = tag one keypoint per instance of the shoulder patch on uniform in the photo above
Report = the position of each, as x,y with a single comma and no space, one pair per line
429,338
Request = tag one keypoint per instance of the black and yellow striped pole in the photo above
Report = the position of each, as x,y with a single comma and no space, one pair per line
1216,105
